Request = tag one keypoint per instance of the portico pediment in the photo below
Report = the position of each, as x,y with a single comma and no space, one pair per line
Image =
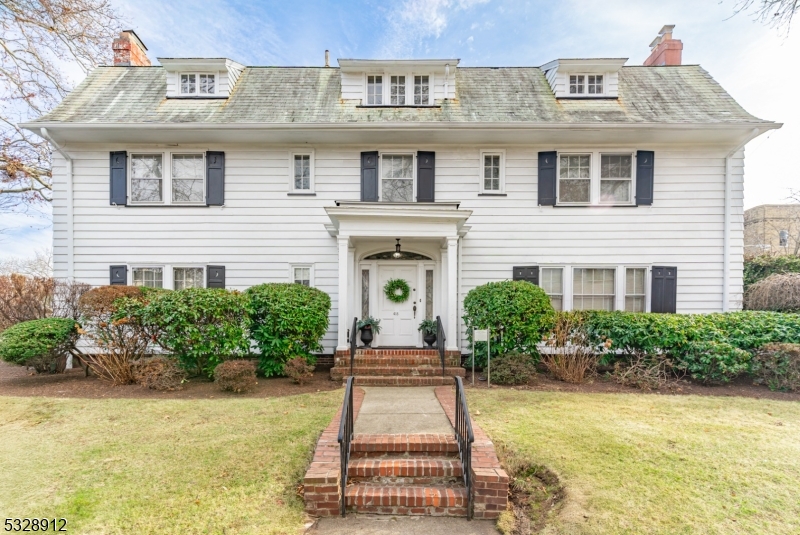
377,219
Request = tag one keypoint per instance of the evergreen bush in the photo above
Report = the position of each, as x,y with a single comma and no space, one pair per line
39,343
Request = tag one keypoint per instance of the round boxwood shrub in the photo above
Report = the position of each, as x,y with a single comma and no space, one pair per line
513,369
287,320
201,327
237,376
39,343
518,313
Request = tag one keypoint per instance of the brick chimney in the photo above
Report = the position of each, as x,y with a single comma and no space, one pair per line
129,50
664,49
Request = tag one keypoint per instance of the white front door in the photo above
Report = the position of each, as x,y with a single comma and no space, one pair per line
398,321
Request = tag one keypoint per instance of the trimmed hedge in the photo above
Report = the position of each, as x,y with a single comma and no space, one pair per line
761,267
712,348
287,320
522,309
39,343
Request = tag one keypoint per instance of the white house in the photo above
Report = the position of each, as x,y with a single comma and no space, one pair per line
612,186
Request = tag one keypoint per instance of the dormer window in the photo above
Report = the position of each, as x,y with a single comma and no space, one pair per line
374,90
198,84
422,90
398,91
583,84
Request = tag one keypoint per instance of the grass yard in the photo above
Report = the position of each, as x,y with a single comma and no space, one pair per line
165,466
634,463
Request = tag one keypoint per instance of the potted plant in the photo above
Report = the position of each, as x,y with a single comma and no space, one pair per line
428,328
368,326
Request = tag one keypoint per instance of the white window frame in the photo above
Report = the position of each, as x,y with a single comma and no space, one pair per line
162,267
383,89
615,299
563,293
166,177
585,94
311,175
310,268
404,85
197,93
173,267
430,89
386,89
594,175
413,155
494,152
646,295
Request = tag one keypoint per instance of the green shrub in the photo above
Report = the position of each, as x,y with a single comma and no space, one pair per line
518,313
761,267
778,367
39,343
513,369
287,320
237,376
201,327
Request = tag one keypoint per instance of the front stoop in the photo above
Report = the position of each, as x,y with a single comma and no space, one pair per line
398,367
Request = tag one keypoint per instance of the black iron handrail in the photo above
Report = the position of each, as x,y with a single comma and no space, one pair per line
353,332
465,438
440,340
345,439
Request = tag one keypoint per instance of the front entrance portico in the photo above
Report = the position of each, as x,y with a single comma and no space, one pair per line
429,234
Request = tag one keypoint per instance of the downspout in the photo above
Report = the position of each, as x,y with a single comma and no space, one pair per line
726,226
446,80
70,205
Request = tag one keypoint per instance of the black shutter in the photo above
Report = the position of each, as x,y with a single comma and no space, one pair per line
215,178
215,276
547,178
664,294
644,177
527,273
369,176
426,176
118,275
118,178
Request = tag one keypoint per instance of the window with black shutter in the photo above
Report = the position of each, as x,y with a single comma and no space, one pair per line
526,273
664,289
644,177
215,178
369,176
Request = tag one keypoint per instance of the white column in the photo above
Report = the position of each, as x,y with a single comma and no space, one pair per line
343,295
451,325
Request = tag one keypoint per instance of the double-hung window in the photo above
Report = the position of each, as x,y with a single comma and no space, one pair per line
585,84
586,178
188,178
616,178
492,174
551,281
635,297
188,277
181,181
575,178
375,90
193,84
147,178
302,274
422,90
302,172
577,84
397,177
593,288
151,277
594,84
397,90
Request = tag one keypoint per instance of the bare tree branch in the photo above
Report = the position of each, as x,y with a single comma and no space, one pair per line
776,13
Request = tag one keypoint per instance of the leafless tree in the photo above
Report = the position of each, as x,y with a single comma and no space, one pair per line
39,265
44,44
776,13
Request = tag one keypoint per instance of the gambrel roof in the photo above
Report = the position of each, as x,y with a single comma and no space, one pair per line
684,94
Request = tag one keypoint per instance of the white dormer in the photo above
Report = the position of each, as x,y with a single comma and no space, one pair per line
200,77
584,78
402,82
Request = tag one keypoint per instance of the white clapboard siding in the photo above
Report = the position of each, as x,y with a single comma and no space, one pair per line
261,230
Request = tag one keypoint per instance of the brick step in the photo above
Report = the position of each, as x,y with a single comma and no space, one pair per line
434,500
411,360
405,371
438,443
408,352
402,380
409,467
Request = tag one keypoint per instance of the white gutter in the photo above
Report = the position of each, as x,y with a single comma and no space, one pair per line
726,226
70,205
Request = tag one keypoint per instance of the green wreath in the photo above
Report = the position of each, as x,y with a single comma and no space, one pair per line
397,290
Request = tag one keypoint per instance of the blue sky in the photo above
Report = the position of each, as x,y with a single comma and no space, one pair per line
755,63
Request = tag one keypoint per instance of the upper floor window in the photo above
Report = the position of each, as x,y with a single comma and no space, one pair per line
397,177
375,90
184,181
595,178
398,91
616,173
586,84
147,177
577,84
575,178
422,90
188,171
492,174
302,172
198,84
594,84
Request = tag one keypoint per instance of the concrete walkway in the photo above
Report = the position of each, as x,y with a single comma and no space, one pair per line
401,525
395,410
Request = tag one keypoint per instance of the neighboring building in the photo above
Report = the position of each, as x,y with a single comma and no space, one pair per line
772,229
614,187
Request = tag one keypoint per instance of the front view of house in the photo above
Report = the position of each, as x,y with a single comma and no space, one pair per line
612,187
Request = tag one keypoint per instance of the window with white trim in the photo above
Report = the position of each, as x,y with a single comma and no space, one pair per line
594,84
577,84
635,296
596,178
397,177
302,165
188,178
397,90
151,277
551,281
422,90
188,277
147,178
302,274
585,84
616,178
375,90
593,288
198,84
492,171
575,178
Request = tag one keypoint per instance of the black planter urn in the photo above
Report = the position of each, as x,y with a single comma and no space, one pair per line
429,339
366,335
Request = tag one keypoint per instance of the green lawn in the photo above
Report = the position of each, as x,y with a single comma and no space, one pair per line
657,464
173,466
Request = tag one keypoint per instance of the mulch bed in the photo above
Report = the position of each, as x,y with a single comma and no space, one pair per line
17,381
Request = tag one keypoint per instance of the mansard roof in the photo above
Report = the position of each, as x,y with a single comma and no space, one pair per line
684,94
